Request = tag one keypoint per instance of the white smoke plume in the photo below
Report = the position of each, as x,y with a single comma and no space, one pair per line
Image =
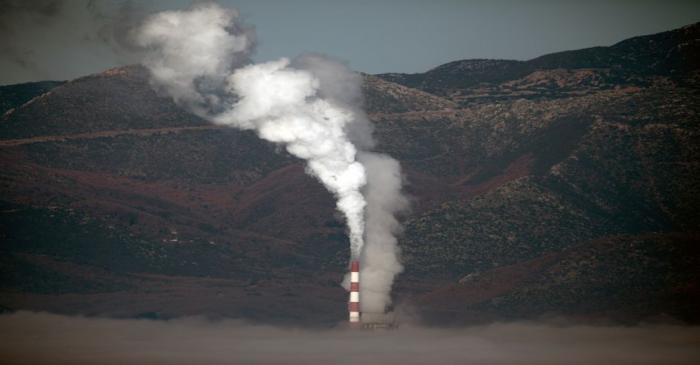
190,54
311,105
380,258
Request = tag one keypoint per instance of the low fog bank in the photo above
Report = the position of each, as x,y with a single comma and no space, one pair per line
40,338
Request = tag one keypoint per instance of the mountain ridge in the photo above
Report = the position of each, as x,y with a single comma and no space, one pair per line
661,54
116,202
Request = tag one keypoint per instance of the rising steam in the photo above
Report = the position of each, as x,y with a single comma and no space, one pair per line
311,105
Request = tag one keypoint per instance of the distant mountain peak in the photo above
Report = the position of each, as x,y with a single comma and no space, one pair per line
668,53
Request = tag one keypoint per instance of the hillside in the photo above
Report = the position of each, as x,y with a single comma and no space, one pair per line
13,96
536,185
633,62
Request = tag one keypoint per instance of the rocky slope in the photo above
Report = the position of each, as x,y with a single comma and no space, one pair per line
13,96
634,61
563,185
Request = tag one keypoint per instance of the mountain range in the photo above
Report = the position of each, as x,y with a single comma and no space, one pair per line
566,185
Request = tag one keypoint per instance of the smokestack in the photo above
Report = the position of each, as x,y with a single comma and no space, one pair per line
311,105
354,302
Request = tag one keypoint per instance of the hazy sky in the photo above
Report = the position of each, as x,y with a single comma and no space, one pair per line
50,39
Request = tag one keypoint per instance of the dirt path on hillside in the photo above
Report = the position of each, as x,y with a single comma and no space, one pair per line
156,131
102,134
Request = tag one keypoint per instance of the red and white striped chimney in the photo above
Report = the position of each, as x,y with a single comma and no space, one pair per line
354,302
